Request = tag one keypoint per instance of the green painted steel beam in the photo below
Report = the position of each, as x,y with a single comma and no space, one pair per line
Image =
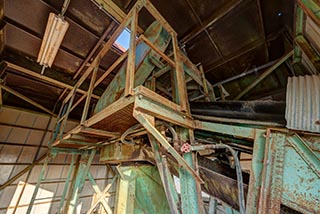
85,163
228,129
66,186
312,8
306,153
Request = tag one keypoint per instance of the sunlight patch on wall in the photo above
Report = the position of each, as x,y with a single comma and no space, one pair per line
41,205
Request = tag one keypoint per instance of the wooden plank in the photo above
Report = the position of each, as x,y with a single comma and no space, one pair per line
100,133
109,110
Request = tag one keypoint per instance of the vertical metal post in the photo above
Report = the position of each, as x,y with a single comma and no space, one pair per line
84,166
278,149
255,173
41,176
182,96
213,203
190,202
66,186
89,94
190,191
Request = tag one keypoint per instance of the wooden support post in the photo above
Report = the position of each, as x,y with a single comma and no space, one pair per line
131,64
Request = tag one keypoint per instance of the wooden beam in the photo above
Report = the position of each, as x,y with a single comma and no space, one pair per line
21,96
45,78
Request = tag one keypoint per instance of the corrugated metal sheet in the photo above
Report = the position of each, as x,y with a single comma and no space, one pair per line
303,103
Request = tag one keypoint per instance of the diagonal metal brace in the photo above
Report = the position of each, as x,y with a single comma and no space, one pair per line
155,133
305,152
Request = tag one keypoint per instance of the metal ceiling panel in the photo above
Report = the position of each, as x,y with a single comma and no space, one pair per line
237,30
85,13
28,44
207,55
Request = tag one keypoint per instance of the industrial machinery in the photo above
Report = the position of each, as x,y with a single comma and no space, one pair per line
155,138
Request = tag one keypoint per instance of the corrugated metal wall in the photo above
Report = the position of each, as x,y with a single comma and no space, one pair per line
23,140
303,103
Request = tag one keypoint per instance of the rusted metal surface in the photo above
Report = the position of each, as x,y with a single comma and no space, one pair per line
221,187
119,153
300,190
303,103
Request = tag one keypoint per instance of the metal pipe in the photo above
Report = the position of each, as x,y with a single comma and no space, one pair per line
237,165
125,134
253,70
265,74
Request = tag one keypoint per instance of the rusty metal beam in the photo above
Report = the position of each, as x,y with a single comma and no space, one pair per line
264,75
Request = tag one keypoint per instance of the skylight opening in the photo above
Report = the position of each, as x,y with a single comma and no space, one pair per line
123,41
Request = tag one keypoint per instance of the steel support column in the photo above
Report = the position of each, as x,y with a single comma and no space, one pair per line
85,162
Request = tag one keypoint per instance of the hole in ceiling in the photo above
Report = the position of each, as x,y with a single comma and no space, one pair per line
123,40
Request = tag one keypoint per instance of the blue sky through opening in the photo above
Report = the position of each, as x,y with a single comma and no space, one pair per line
124,39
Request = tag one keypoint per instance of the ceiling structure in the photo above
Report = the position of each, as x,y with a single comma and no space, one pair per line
226,37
